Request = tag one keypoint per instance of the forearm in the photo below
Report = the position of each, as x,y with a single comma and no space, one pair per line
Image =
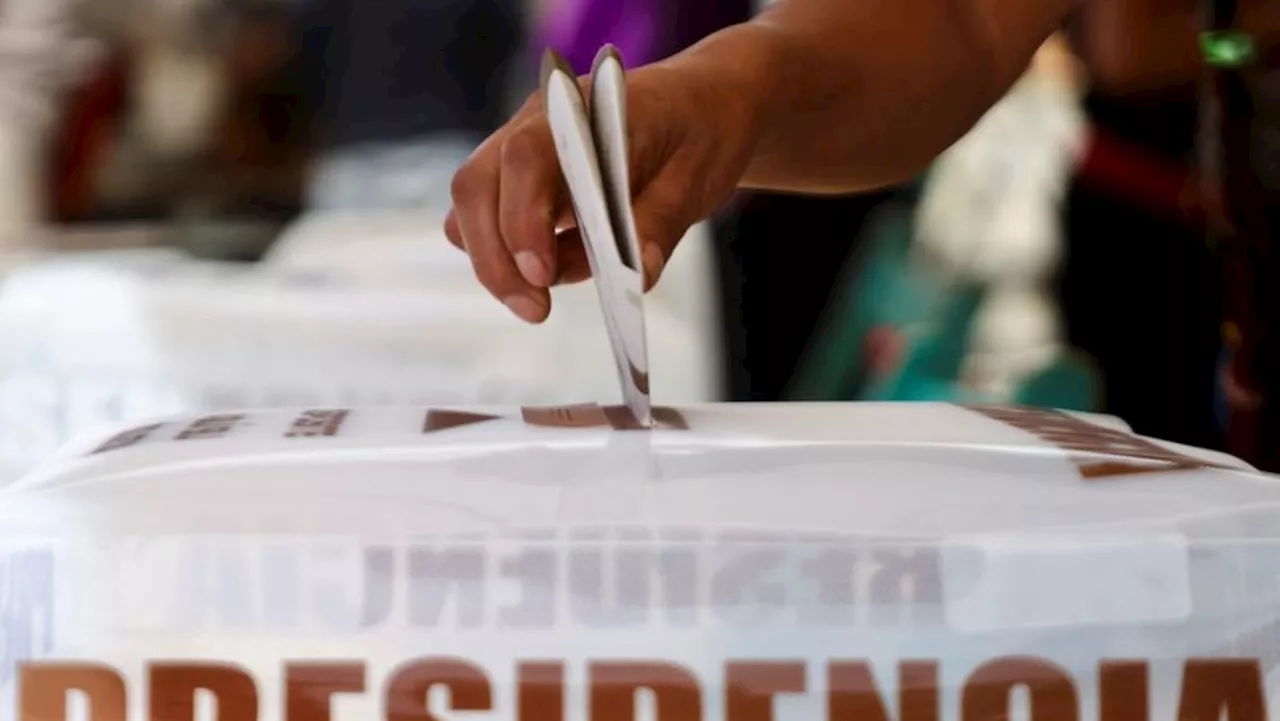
849,96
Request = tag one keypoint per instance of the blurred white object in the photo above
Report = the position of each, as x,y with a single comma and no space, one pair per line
1016,334
179,95
408,248
180,73
40,53
104,337
991,212
800,534
410,175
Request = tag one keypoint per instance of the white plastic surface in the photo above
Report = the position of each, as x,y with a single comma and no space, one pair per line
805,534
104,337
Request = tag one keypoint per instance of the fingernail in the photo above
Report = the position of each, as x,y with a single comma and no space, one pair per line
525,307
653,262
533,269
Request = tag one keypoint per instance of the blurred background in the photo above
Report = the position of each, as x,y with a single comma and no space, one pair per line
230,203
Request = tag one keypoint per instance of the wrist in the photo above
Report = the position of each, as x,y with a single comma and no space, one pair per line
742,67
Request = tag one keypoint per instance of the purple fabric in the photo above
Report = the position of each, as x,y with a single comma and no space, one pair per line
583,26
643,30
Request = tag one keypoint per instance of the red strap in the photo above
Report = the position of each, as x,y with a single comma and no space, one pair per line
1143,177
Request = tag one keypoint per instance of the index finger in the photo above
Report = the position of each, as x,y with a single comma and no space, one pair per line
531,187
475,191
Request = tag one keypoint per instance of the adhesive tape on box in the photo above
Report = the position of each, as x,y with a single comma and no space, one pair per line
1046,580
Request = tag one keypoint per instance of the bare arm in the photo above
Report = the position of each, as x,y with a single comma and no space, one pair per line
854,94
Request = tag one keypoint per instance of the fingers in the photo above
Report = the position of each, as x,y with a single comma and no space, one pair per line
512,216
475,191
506,201
452,231
527,200
662,219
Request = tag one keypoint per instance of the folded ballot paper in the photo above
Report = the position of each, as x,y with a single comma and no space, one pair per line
728,562
591,143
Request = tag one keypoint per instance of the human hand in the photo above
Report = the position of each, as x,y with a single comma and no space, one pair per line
689,142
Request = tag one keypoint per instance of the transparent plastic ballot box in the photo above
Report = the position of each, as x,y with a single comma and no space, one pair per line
982,562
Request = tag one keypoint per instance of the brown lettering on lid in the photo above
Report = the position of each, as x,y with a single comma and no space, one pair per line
309,688
621,418
316,423
406,699
987,690
1084,442
587,415
613,687
540,691
1109,469
43,689
210,427
131,437
444,420
751,685
591,415
852,692
1122,691
173,689
1228,688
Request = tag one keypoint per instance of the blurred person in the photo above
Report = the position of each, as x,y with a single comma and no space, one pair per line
172,121
812,96
952,296
404,90
138,139
1141,289
41,53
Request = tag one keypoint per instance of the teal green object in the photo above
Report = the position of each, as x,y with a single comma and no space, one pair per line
933,321
1070,383
934,354
883,292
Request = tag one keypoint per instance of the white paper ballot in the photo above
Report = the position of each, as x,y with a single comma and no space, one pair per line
592,148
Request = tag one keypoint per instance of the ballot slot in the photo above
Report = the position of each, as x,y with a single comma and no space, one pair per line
591,148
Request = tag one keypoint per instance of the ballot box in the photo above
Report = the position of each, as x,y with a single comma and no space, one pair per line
737,561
